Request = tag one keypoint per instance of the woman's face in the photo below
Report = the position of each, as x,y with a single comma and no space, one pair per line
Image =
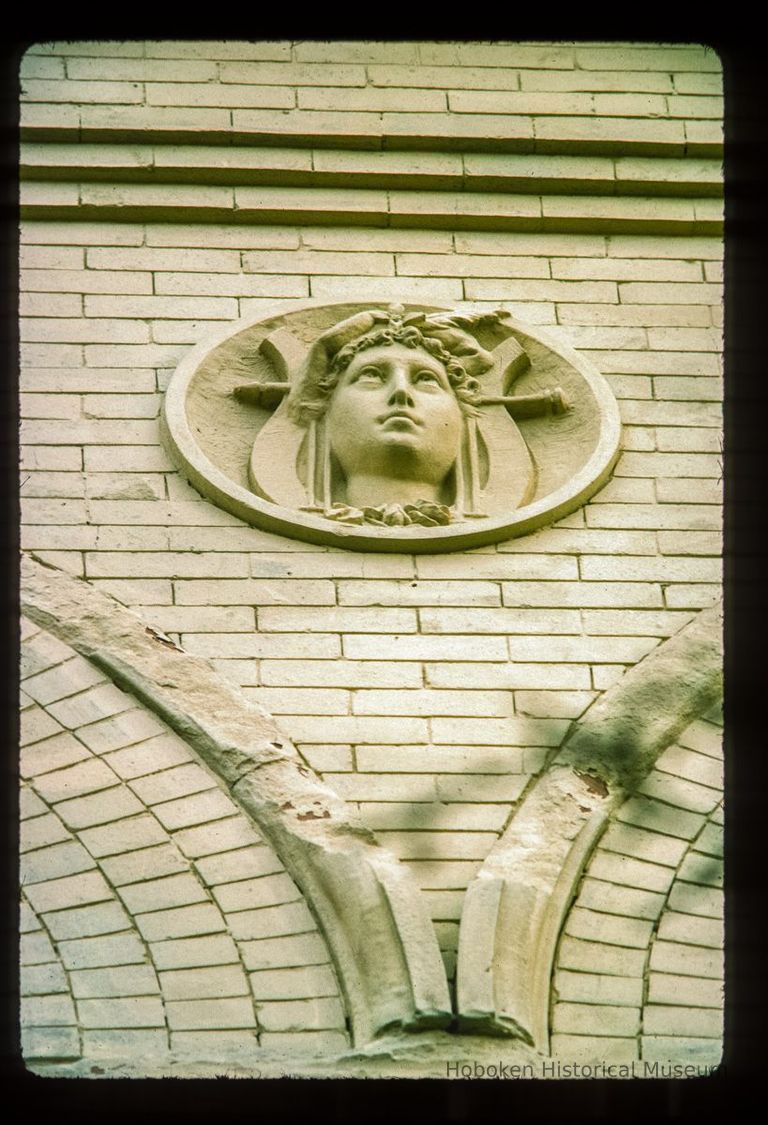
393,413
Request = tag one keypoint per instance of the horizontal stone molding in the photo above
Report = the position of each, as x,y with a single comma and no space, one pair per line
371,131
344,168
371,912
64,200
516,905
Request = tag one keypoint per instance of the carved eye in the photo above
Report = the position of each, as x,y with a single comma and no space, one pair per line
427,376
370,373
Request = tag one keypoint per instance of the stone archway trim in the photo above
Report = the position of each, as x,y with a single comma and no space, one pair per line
517,904
380,935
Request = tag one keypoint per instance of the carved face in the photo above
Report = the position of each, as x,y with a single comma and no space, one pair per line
393,413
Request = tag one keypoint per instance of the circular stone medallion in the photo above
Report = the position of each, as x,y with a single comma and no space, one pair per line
402,428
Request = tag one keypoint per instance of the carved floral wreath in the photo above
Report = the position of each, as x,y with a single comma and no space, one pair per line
425,513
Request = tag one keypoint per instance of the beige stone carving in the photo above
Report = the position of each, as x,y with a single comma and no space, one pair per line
407,428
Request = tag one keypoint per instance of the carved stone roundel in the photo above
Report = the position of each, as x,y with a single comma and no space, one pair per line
391,428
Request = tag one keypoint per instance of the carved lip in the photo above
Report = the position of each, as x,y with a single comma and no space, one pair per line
400,415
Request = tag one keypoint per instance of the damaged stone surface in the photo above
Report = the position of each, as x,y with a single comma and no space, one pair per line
515,907
375,922
619,738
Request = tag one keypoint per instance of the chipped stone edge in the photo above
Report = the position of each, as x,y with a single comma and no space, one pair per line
517,904
368,907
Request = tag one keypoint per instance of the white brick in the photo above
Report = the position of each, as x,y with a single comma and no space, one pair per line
659,817
271,921
516,732
685,898
596,1019
183,921
703,737
98,702
442,874
98,808
203,983
41,831
355,728
692,992
218,1013
688,960
47,1011
347,619
290,984
88,921
447,759
123,836
124,729
628,872
123,1013
639,844
169,784
690,929
36,949
691,766
301,1015
659,1019
592,988
684,794
30,804
323,758
592,1049
51,754
161,894
93,952
219,836
513,675
427,703
249,894
55,861
43,980
243,863
277,646
284,952
253,592
149,756
511,567
187,953
590,925
700,1052
299,701
385,648
196,809
125,1043
72,890
133,867
133,980
340,673
626,901
78,780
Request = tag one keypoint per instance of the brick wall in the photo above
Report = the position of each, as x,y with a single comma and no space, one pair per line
169,187
154,918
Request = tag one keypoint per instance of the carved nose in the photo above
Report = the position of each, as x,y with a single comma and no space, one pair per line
401,390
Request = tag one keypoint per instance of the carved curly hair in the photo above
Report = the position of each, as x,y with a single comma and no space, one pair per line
315,395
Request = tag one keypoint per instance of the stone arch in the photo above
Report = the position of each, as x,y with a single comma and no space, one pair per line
390,969
160,902
517,905
638,972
